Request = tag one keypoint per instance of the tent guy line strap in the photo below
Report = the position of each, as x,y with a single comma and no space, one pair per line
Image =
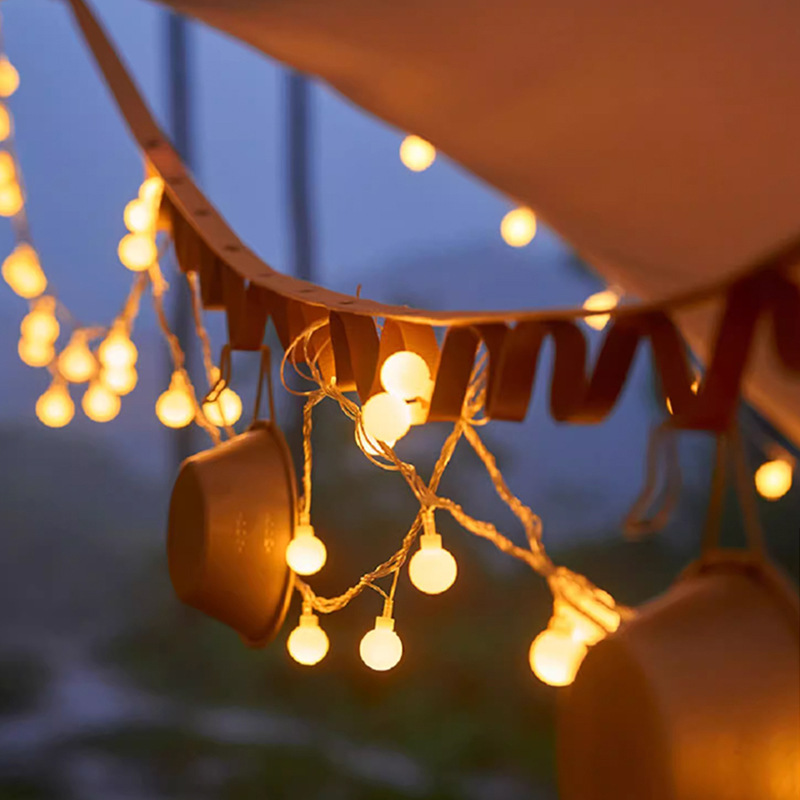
198,212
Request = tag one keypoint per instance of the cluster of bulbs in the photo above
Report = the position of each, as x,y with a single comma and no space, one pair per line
11,197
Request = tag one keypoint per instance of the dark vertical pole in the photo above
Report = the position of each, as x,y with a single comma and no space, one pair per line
179,121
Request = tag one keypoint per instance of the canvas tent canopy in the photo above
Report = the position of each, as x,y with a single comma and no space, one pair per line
661,140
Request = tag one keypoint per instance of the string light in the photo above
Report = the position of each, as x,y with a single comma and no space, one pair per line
225,408
40,324
175,408
308,644
406,375
5,123
416,153
139,216
23,273
137,251
381,648
368,444
35,352
99,403
9,78
55,407
518,227
774,479
555,656
77,362
117,351
151,190
432,569
306,552
11,200
120,381
8,168
606,300
385,417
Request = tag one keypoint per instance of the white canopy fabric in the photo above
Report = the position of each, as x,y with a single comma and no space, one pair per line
661,139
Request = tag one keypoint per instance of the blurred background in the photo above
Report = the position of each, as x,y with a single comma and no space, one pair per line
109,688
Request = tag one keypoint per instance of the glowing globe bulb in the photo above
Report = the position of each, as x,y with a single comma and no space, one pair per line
11,200
77,362
139,216
308,643
137,251
175,407
381,648
600,301
518,227
369,445
306,553
555,657
22,272
416,153
9,78
55,407
151,190
120,381
41,325
8,168
385,417
406,375
774,479
5,123
99,403
117,351
432,569
36,353
225,410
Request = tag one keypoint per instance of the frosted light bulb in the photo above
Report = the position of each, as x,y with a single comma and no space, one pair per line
77,362
117,351
11,200
55,407
306,553
774,479
385,418
151,190
40,325
9,78
308,643
35,352
23,273
416,153
600,301
175,407
137,251
368,444
5,123
8,168
225,410
99,403
432,569
139,216
406,375
518,227
381,648
120,381
555,656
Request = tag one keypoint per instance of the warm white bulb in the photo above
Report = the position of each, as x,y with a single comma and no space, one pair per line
139,216
151,190
5,123
8,168
308,644
55,407
306,552
23,273
119,381
406,375
774,479
600,301
381,648
9,78
11,199
175,407
35,352
518,227
117,351
137,251
432,569
40,324
368,444
416,153
77,362
99,403
225,410
385,418
555,656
